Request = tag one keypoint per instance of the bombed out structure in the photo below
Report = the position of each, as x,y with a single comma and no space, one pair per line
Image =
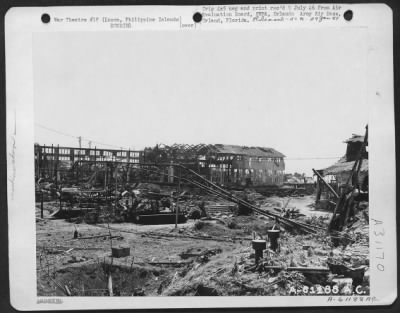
72,165
341,170
339,174
226,165
203,187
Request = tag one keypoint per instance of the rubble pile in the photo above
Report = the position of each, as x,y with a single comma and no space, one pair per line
231,243
233,273
301,260
180,222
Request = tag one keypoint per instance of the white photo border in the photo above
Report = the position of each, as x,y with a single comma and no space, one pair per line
22,23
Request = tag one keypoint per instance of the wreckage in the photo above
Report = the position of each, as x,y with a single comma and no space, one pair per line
348,182
234,224
90,178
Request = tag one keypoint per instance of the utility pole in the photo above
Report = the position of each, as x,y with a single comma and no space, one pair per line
57,156
41,203
115,180
80,142
177,201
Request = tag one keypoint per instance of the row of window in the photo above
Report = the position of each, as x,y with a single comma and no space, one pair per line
60,158
250,172
84,157
239,158
51,150
65,151
48,150
132,154
251,159
221,177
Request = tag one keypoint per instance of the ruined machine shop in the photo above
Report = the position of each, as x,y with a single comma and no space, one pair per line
226,165
199,220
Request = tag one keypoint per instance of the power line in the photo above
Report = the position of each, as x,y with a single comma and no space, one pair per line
55,131
119,147
77,137
315,158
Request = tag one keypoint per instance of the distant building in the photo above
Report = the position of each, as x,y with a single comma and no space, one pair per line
225,164
299,181
222,164
56,162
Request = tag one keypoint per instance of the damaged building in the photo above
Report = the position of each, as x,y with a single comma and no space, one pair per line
259,241
338,174
343,186
225,165
60,164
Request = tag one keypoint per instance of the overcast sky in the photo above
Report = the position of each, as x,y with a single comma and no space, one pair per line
301,92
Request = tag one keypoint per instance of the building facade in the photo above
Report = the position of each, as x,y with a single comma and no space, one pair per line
55,162
226,165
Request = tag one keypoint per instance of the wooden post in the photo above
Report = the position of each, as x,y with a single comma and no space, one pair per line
52,162
57,164
326,184
105,174
68,291
359,158
177,201
319,190
110,285
176,215
115,180
128,169
45,164
39,164
41,203
79,163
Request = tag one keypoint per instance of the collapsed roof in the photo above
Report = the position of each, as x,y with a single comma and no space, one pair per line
224,149
355,138
342,167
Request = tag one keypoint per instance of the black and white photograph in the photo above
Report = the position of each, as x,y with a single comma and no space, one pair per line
225,153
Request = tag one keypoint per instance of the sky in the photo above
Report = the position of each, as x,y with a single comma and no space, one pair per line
301,92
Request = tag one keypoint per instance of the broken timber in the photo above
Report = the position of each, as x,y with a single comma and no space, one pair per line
342,206
96,236
210,187
309,270
321,179
230,197
300,269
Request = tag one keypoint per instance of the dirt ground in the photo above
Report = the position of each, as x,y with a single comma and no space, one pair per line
203,257
60,256
304,204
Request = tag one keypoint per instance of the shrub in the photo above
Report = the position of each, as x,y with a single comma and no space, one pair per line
199,225
232,224
194,214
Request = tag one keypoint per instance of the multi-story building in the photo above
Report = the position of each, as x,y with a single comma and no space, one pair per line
222,164
225,164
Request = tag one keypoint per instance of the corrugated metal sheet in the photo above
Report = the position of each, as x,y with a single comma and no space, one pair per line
225,149
355,138
342,167
249,151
